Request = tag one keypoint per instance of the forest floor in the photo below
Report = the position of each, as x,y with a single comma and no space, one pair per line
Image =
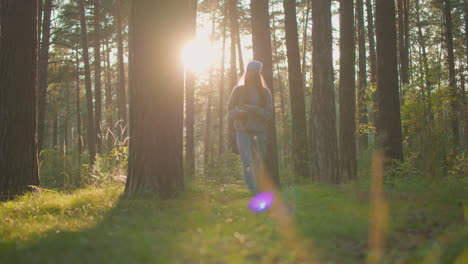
211,223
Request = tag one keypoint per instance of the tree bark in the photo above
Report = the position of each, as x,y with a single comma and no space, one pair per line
371,39
304,43
109,107
121,92
426,91
55,128
78,111
43,65
89,94
324,141
402,41
348,168
232,70
388,121
66,122
97,76
238,40
464,92
221,107
208,127
261,42
362,79
155,162
18,82
296,91
451,66
190,103
279,79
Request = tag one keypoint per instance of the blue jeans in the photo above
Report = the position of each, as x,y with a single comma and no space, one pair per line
251,146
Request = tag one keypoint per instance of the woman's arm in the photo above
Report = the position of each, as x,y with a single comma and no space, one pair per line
233,110
266,112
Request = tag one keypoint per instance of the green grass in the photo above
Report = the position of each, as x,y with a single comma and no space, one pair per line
210,223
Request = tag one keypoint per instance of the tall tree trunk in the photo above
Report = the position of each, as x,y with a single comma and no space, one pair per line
324,141
89,94
348,168
465,13
97,76
121,93
362,78
388,121
238,40
232,70
261,42
304,42
190,103
43,65
452,80
109,106
155,162
426,91
221,107
406,53
277,60
66,129
18,82
208,127
371,39
55,128
402,41
78,113
296,91
464,92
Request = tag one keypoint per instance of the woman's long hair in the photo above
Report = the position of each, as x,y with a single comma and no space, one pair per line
252,80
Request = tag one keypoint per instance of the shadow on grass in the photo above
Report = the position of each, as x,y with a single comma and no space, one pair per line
134,231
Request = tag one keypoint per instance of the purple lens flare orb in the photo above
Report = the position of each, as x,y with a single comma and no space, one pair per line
261,201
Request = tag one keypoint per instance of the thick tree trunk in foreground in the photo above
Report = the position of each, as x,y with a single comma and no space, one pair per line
190,103
43,65
362,79
323,126
18,82
452,81
155,162
261,40
97,76
348,163
388,121
89,94
296,91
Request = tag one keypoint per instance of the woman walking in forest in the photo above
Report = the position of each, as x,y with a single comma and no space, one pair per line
251,108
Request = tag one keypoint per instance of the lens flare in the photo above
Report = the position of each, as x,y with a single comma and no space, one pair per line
261,201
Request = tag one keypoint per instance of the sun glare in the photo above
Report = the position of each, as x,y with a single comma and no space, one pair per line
198,54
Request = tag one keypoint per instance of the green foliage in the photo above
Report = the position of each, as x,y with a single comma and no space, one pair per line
107,165
225,168
56,168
